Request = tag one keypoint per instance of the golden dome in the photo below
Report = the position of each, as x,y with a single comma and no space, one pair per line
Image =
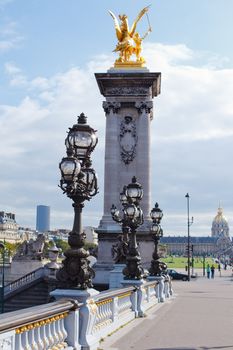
220,226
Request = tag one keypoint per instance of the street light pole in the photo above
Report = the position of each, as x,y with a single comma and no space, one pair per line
203,262
79,182
157,267
130,220
189,223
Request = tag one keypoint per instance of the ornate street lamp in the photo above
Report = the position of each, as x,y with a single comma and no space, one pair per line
79,182
130,220
157,267
189,223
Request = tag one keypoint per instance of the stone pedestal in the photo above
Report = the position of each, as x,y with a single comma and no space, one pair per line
87,315
116,276
140,311
129,112
160,290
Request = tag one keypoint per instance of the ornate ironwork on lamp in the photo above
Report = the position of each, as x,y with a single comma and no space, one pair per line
79,182
157,267
130,220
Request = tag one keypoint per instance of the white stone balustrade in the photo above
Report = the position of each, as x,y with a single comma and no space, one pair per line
150,298
24,280
67,324
43,327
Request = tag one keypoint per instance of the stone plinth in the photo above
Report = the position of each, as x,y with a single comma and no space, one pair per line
129,112
116,276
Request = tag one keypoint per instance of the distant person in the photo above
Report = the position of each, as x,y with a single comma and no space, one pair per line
225,266
212,271
208,271
219,269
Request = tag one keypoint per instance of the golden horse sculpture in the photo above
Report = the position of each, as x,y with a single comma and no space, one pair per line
129,41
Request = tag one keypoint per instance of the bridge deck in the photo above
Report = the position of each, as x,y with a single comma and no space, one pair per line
199,318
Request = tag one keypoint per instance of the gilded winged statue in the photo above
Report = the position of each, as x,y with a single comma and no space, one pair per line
129,41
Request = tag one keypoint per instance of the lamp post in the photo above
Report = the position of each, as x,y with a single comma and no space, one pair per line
79,182
203,263
189,223
157,266
130,220
2,247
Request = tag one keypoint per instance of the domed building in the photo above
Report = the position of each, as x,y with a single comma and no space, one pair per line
220,227
219,244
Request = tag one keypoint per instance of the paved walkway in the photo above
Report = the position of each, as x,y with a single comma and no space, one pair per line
200,317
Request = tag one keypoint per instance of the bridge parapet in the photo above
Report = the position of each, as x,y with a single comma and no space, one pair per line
40,327
69,324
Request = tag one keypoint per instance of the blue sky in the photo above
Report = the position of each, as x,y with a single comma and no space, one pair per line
49,52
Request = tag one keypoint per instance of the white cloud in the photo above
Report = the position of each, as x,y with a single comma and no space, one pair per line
192,134
9,37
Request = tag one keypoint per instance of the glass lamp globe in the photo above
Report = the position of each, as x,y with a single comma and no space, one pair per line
134,191
82,138
156,213
89,179
114,211
70,168
130,211
155,229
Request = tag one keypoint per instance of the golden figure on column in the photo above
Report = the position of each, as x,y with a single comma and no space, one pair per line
129,41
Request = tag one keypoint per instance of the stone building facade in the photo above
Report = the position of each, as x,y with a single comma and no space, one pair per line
218,244
9,228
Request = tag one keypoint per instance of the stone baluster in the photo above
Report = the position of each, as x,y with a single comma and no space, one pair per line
160,289
148,294
115,309
43,334
25,340
58,331
38,337
31,336
54,332
19,340
49,333
124,302
140,299
62,327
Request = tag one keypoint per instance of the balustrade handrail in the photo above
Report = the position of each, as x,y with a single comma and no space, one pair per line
12,320
113,293
151,283
9,287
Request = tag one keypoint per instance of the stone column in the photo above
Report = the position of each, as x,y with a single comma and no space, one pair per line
144,155
128,109
111,163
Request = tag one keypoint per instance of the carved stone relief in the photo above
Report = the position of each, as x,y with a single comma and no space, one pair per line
128,139
144,106
108,106
125,91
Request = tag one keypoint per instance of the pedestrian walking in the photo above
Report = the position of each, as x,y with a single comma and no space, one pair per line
208,271
219,269
212,271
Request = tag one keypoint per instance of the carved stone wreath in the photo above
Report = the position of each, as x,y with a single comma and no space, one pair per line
128,139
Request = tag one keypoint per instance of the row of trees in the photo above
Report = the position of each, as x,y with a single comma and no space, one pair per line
11,248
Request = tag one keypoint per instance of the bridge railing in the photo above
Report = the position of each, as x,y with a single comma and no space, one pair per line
24,280
67,324
113,309
41,327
